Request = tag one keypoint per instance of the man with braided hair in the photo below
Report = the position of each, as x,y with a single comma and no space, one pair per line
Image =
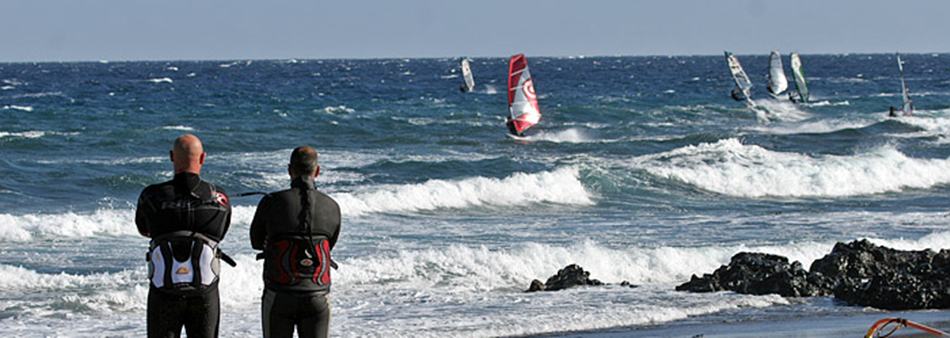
296,228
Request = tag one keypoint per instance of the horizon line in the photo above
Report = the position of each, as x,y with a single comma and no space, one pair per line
442,57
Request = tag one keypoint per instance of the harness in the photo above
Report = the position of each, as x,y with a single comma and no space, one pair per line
298,262
185,261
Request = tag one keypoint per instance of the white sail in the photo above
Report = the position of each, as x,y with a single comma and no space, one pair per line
469,84
743,84
800,86
908,106
777,81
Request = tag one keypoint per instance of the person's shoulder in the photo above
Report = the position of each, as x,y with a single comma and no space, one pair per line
326,198
156,188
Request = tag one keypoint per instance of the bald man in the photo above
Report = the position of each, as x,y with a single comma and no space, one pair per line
185,219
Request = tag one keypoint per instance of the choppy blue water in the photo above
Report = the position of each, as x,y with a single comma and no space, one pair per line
642,169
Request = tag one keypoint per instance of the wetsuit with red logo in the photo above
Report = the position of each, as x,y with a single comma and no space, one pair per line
279,215
184,203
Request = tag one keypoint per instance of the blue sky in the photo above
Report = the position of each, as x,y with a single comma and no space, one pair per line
65,30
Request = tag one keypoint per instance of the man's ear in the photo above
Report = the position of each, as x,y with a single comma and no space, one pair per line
290,171
171,155
316,172
201,159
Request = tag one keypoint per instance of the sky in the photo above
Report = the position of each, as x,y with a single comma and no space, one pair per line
86,30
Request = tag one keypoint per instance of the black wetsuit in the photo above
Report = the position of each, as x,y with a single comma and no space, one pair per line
279,214
164,208
511,127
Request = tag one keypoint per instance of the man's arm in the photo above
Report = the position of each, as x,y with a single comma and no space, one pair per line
141,215
259,225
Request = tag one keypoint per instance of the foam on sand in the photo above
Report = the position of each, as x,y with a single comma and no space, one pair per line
561,186
732,168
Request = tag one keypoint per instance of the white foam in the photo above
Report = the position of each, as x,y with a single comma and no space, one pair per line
561,186
490,90
813,126
338,109
25,227
572,135
35,134
447,291
21,108
732,168
171,68
179,127
160,80
825,103
782,110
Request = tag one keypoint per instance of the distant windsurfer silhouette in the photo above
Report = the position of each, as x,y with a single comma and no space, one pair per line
892,112
736,94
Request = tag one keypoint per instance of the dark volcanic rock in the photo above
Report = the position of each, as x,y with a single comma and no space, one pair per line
866,274
759,274
536,285
859,273
570,276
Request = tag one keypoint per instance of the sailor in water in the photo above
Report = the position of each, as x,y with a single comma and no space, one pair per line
892,112
511,127
737,94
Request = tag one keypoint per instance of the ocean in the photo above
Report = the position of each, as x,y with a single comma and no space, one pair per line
643,169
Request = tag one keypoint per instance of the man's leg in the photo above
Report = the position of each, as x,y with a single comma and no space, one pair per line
316,323
204,314
275,323
164,315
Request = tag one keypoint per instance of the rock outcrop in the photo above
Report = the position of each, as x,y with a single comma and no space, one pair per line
568,277
759,274
871,275
858,273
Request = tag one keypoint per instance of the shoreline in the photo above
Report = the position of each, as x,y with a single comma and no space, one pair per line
814,326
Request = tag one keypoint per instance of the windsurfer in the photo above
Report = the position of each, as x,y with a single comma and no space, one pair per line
511,127
736,94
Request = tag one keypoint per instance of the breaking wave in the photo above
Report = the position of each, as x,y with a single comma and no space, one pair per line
561,186
732,168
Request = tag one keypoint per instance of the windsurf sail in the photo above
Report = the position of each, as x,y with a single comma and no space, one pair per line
743,84
888,326
800,86
522,101
469,83
908,105
777,81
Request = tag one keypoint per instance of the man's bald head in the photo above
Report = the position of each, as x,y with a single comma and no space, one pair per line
303,162
187,154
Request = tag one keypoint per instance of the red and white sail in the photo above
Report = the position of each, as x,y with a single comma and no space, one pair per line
522,101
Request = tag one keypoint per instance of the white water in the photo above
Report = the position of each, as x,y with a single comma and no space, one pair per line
732,168
429,292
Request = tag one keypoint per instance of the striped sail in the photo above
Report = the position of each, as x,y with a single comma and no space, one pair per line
469,84
908,105
800,86
777,81
743,84
522,101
